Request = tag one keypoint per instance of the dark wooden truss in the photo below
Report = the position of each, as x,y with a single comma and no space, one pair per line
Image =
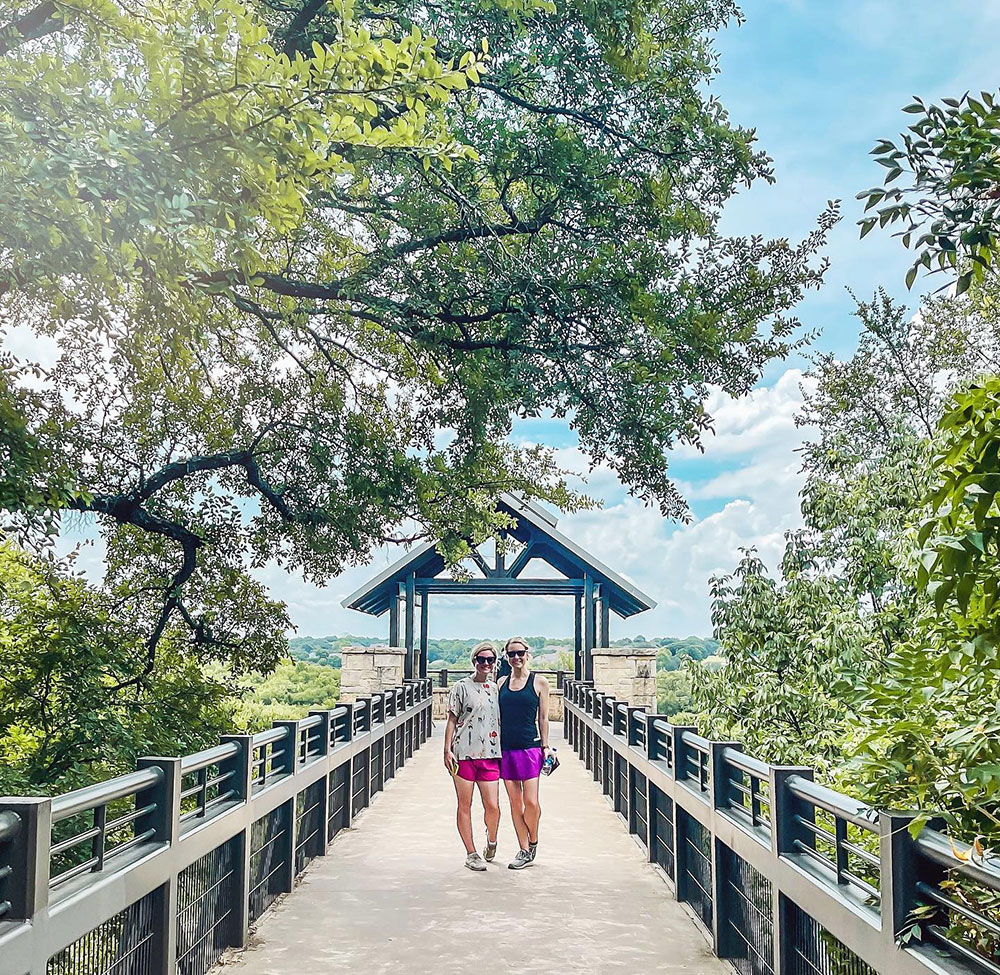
404,588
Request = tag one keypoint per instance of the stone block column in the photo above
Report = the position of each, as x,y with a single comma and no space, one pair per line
627,673
366,670
440,704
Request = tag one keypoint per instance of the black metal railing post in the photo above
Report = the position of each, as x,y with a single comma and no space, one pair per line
722,773
653,755
326,720
680,750
289,766
785,830
722,793
631,727
164,818
241,766
901,868
24,856
652,737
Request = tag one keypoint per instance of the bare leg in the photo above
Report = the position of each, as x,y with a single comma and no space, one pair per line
532,809
516,797
464,790
489,792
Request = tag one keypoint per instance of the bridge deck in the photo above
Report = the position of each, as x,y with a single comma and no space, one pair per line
393,896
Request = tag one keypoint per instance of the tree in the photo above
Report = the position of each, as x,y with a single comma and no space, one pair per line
789,648
304,263
802,651
933,722
673,694
950,211
67,714
290,691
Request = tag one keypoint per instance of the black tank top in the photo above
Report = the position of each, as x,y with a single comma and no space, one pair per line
519,716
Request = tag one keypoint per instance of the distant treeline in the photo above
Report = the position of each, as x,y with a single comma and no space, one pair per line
444,653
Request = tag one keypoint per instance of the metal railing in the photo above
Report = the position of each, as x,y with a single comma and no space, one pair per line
786,875
160,870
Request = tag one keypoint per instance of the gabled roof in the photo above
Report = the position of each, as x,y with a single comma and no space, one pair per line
535,527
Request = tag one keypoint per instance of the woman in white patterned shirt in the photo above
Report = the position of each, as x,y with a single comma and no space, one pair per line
472,751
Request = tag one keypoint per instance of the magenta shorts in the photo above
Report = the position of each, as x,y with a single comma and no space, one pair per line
479,769
521,764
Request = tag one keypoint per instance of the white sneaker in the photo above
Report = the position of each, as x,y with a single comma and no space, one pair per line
491,849
522,860
475,862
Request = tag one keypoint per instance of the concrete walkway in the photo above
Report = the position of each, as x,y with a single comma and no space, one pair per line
394,897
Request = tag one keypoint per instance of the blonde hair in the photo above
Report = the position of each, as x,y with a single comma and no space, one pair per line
516,639
483,645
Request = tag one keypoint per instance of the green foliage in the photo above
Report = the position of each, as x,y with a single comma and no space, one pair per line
68,711
673,694
788,648
798,648
290,691
675,651
283,247
950,210
873,655
934,726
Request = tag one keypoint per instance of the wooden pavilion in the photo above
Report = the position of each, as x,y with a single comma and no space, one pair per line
404,588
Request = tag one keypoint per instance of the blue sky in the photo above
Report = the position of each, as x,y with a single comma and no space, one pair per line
821,82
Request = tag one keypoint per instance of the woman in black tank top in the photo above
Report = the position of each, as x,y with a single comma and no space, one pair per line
524,745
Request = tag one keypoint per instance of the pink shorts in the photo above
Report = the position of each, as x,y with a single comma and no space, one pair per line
522,764
479,769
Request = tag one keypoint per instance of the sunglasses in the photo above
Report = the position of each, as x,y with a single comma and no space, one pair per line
517,653
486,661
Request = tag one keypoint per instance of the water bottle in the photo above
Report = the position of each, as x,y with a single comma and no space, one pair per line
549,763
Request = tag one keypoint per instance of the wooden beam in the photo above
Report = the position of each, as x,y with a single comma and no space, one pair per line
410,596
605,623
577,639
520,563
424,599
588,627
494,586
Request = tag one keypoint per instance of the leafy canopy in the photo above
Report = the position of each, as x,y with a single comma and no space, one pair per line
303,264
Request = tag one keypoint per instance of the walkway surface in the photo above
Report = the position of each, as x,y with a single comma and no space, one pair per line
393,895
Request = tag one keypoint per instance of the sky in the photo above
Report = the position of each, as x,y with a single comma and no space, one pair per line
820,82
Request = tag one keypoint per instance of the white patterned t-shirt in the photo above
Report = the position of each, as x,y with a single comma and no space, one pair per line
477,710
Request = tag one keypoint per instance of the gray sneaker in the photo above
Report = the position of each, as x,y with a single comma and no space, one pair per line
522,860
491,849
475,862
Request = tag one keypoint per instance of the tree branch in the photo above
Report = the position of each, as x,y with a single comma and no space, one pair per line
38,22
294,34
588,119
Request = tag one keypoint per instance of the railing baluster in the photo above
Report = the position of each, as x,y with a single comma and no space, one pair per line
98,843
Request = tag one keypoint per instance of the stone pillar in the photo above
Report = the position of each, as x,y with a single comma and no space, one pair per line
365,670
627,673
439,708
